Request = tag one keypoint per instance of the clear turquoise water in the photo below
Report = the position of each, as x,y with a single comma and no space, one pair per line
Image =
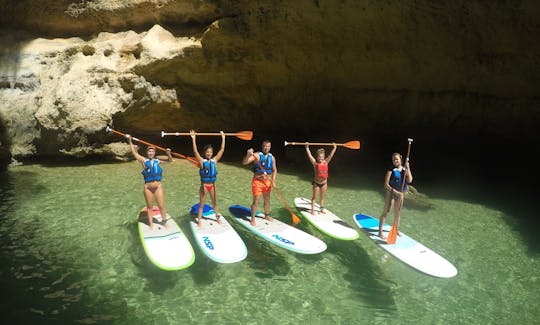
71,254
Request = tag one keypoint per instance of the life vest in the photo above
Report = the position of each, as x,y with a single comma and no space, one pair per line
397,178
208,171
321,170
152,171
264,165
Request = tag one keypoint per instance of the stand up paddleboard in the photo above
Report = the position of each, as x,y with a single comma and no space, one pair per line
167,247
327,222
219,241
278,233
407,250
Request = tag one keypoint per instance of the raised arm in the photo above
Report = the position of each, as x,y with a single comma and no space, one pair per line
309,155
195,150
331,153
218,156
137,156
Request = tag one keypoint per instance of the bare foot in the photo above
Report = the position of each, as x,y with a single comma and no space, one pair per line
382,236
269,218
218,218
312,213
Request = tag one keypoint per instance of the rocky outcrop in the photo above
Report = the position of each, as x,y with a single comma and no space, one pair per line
433,70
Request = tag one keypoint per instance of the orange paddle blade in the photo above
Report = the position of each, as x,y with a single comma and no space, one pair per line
295,219
244,135
352,145
392,236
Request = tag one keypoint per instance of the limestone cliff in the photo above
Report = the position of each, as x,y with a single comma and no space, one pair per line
437,70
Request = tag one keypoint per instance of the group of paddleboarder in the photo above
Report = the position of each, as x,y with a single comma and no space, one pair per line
264,167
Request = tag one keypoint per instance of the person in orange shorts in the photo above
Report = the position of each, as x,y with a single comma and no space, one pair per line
264,177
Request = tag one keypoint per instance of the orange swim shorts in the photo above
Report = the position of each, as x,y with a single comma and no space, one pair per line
260,186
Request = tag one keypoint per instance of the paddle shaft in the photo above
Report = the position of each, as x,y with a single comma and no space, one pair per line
243,135
316,144
193,161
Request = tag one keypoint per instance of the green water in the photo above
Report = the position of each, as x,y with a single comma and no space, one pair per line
70,253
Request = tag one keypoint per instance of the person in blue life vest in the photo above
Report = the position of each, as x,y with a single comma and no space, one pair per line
208,173
395,183
264,177
152,174
320,180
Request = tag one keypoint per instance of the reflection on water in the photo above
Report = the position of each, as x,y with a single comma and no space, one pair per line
71,253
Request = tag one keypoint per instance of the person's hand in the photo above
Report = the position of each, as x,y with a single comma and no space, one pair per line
334,145
407,163
222,135
168,151
307,145
250,152
192,134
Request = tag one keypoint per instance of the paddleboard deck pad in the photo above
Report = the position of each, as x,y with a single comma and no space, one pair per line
277,232
406,249
219,241
326,222
166,247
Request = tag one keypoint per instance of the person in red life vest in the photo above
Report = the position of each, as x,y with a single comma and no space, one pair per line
152,174
264,177
208,173
320,181
395,183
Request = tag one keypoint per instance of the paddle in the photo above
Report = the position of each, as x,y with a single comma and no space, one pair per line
392,236
351,144
242,135
191,160
294,217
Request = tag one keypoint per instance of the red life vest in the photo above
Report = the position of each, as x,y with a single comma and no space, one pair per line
322,170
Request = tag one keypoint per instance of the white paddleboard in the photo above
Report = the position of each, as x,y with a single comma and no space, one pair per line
167,247
327,222
407,250
219,241
278,233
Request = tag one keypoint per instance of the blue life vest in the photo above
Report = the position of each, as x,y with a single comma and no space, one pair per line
264,165
152,172
397,179
208,171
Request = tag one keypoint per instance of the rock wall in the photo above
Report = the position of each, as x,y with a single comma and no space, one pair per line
377,68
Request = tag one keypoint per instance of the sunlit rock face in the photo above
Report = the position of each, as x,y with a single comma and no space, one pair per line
433,70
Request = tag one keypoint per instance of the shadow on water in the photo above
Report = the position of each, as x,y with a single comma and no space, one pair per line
34,279
369,281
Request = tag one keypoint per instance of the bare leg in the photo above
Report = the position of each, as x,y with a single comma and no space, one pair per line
397,209
322,192
382,218
202,199
161,205
149,198
254,205
266,197
314,197
213,197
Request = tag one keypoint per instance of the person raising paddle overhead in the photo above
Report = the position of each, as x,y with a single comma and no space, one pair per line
264,177
320,168
152,174
395,183
208,173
